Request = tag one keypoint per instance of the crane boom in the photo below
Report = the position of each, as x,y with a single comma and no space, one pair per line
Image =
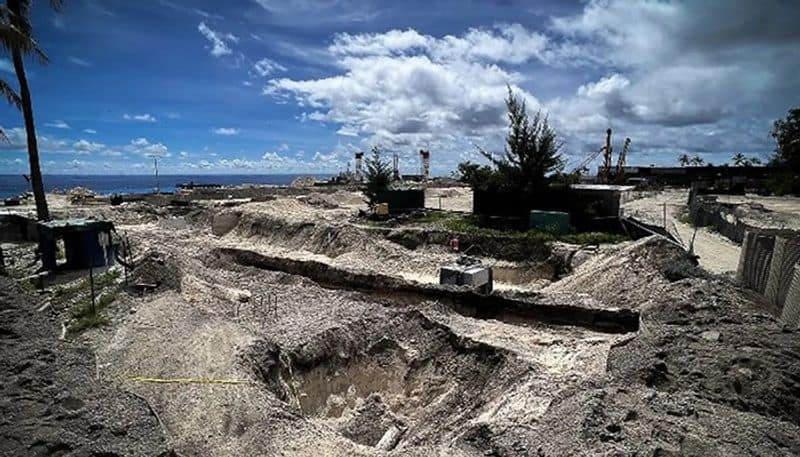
621,160
589,159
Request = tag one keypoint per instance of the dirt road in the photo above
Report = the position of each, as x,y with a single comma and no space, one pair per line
717,254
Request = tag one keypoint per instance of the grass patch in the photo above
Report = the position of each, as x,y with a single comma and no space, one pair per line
469,226
593,238
87,322
85,317
83,287
430,217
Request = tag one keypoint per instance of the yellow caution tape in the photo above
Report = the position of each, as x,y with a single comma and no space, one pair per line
188,380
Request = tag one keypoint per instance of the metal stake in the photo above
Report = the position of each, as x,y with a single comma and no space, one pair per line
91,287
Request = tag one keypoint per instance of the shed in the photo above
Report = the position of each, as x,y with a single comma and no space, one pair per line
605,199
87,243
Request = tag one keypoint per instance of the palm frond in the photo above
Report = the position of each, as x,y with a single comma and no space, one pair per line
13,38
10,94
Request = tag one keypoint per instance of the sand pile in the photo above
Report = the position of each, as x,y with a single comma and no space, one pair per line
157,269
625,275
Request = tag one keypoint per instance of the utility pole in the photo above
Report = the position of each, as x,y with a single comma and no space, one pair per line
155,167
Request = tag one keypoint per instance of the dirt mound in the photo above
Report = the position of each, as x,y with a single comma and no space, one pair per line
157,269
626,275
52,404
331,240
702,336
399,384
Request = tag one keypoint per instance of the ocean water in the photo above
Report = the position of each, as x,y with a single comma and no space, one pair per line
12,185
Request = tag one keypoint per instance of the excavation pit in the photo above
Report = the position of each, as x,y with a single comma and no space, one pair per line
401,382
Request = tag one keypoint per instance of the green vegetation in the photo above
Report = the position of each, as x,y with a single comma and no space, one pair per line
470,226
378,175
531,156
695,161
16,37
787,154
79,294
85,317
739,160
101,281
430,217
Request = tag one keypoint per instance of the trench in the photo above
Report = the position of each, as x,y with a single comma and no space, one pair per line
467,302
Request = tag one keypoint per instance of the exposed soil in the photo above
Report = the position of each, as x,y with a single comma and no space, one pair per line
716,253
52,402
335,340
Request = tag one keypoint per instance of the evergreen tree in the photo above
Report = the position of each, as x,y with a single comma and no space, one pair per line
531,151
378,175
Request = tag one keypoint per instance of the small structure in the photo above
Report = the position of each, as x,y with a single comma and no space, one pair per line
15,228
193,185
469,272
554,221
87,243
606,200
402,201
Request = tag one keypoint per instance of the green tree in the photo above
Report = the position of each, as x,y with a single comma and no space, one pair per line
477,176
684,160
697,161
786,160
378,175
787,134
532,151
16,37
738,159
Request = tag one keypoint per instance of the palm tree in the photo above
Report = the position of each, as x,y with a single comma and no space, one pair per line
738,159
684,160
13,99
16,36
697,161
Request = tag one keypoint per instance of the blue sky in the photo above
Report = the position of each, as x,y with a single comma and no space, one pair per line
268,86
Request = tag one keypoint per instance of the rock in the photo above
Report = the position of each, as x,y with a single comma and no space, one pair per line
710,335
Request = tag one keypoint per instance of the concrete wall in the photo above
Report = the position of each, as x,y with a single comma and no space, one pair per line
770,265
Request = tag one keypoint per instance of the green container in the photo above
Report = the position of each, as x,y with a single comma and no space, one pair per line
550,221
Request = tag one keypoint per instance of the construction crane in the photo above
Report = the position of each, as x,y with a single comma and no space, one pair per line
589,159
620,173
606,173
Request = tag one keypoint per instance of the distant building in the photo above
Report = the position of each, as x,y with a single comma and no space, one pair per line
684,176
